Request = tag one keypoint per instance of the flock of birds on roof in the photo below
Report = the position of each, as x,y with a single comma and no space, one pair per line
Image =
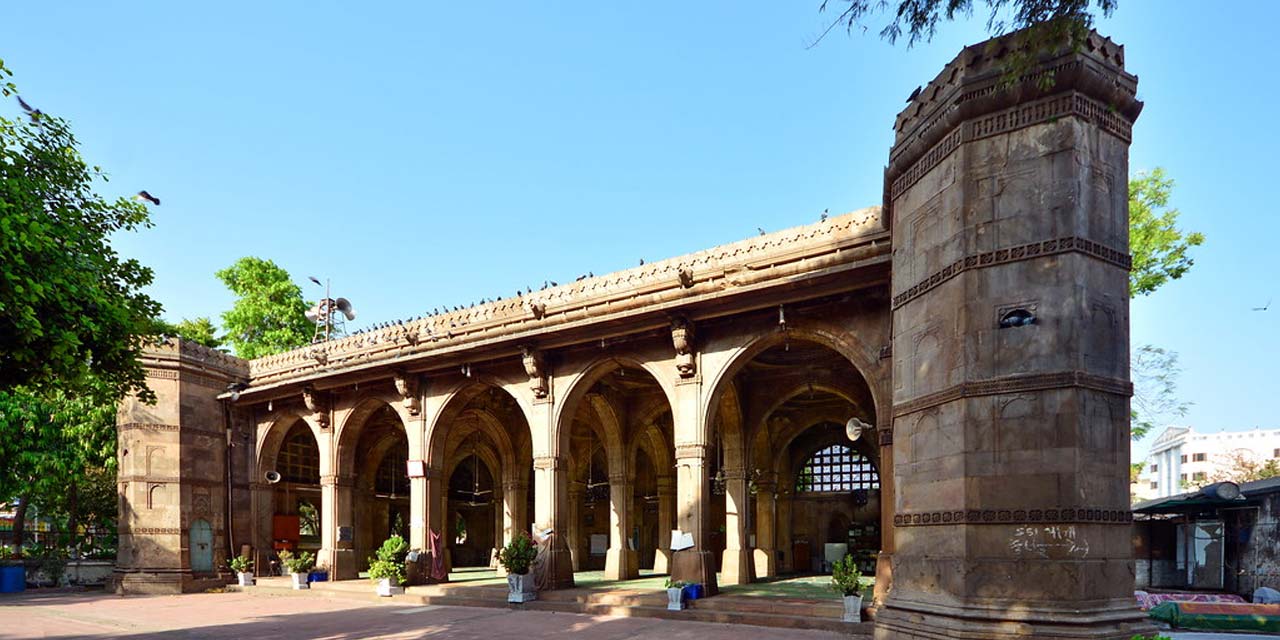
143,195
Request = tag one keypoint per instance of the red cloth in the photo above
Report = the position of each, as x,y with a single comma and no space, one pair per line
436,542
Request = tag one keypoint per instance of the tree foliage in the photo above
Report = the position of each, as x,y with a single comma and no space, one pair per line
200,330
269,315
1159,247
1243,465
918,20
1155,389
69,304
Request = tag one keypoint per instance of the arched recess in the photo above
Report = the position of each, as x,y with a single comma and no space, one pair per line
372,454
785,384
610,410
480,419
289,503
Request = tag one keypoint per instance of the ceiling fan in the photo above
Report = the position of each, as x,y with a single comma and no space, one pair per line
475,491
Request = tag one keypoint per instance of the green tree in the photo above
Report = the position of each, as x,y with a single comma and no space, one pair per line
1159,247
199,330
69,304
269,315
1155,389
51,440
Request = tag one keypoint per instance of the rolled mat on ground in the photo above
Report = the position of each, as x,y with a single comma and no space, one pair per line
1218,616
1149,600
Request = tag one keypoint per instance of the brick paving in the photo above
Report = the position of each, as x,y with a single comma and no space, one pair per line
239,615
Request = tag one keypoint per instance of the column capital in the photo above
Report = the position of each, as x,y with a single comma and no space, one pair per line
335,480
692,451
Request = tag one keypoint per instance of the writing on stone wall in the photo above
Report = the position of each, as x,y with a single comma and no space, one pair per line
1056,541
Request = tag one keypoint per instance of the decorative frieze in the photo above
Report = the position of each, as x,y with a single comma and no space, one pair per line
1028,251
1062,515
1020,383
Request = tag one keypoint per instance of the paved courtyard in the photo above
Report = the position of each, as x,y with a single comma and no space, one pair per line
238,615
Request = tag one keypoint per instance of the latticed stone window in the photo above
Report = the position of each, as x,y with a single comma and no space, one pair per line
300,458
837,468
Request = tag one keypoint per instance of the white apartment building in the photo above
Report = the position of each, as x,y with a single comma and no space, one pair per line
1182,459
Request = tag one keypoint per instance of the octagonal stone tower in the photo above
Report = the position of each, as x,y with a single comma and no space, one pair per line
1008,204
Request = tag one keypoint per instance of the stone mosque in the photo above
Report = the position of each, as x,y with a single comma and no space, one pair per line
940,382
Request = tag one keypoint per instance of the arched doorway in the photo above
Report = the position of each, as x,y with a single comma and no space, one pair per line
290,500
380,497
796,396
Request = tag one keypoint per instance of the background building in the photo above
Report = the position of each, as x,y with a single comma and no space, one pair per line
1181,458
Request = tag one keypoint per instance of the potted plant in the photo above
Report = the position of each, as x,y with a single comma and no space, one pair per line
847,580
13,573
243,567
675,594
298,566
517,557
388,567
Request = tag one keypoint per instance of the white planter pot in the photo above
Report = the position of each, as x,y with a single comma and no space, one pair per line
245,578
300,581
853,608
520,588
675,599
386,589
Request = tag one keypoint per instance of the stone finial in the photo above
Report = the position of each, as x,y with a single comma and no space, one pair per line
682,337
317,402
535,368
407,387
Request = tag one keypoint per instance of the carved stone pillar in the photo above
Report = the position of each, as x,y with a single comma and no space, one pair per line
735,564
337,526
1008,208
765,553
666,520
693,493
515,496
785,539
620,562
884,561
551,475
573,535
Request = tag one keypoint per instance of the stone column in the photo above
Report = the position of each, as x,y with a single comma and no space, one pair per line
693,499
784,539
417,513
666,515
620,562
1008,209
337,525
735,565
765,553
573,535
511,515
551,494
884,561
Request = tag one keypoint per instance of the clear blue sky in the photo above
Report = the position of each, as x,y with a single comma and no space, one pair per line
430,156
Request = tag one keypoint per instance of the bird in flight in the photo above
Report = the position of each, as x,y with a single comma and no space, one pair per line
31,111
143,195
1264,307
313,279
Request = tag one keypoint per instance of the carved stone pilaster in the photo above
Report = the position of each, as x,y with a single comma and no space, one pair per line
317,402
535,368
682,336
407,387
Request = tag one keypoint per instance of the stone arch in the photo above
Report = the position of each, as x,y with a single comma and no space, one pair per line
270,439
457,402
849,346
347,436
581,384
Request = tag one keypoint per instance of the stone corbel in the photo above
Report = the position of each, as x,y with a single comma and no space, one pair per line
535,367
407,387
317,403
682,337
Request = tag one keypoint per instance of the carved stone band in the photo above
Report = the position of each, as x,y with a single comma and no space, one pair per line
1015,384
1029,251
1065,515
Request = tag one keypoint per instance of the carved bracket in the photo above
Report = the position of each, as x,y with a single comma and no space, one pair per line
317,403
682,336
535,367
407,387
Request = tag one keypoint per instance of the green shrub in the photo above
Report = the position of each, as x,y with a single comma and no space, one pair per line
241,564
675,584
301,563
846,578
393,549
518,555
389,561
